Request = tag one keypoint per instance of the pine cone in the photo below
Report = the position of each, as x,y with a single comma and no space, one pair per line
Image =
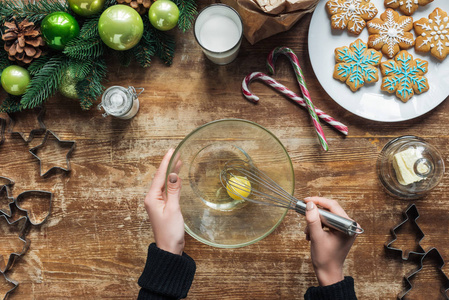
141,6
23,41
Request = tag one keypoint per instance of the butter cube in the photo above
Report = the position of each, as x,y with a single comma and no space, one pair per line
403,164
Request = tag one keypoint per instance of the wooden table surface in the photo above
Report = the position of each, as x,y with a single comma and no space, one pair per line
95,241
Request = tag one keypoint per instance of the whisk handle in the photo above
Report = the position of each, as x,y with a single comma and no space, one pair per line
332,220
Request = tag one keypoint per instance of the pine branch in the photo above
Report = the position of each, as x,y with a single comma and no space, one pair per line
187,13
164,46
38,64
146,47
35,11
4,61
90,88
89,28
80,69
125,57
109,3
46,82
143,54
84,49
11,104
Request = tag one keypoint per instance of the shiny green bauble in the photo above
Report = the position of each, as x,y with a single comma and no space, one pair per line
58,28
86,8
163,14
120,27
15,80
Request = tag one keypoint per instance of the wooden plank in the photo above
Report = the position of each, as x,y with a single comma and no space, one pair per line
95,241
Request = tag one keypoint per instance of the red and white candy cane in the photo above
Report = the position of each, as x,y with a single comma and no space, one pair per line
302,84
290,94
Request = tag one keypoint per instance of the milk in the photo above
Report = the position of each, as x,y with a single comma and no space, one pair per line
218,30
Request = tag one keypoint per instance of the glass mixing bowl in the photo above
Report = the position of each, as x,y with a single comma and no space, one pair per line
428,165
210,214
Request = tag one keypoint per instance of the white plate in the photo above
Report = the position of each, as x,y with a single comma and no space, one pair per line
369,101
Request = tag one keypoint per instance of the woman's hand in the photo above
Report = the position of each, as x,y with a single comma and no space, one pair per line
164,210
328,248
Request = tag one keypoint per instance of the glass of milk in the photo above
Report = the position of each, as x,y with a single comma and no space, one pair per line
219,30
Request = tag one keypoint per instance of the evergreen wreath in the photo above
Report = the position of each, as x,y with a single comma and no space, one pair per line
83,56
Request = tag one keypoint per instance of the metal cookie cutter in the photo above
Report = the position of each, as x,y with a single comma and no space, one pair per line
14,285
25,194
2,130
436,256
41,129
26,242
6,181
4,195
34,150
411,215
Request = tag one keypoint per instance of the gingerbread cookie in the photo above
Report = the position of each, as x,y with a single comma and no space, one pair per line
404,75
433,34
351,14
390,33
356,65
407,7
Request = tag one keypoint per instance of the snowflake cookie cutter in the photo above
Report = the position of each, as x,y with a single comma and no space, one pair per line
14,284
26,243
29,214
2,130
411,214
34,151
435,254
41,129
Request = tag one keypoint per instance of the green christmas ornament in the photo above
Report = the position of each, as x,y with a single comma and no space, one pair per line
86,8
120,27
67,87
163,14
15,80
58,28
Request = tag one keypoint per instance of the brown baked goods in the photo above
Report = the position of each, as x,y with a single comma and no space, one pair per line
407,7
433,34
390,33
350,14
404,76
356,65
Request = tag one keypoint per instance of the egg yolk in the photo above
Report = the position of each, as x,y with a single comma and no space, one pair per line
238,187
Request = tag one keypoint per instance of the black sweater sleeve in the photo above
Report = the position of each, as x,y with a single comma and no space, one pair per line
166,276
343,290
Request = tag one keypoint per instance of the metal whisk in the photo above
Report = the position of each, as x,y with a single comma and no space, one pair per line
265,190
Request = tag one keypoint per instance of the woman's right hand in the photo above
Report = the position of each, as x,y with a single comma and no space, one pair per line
328,248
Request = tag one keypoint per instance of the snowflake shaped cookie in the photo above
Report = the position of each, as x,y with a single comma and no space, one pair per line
351,14
433,34
404,75
390,33
357,64
407,7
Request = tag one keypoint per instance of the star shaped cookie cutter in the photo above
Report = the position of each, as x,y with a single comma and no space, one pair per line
41,129
13,282
411,214
34,150
433,253
26,243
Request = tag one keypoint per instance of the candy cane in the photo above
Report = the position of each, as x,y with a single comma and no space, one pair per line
284,90
302,84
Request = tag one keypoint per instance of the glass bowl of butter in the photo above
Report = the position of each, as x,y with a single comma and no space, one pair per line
409,167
